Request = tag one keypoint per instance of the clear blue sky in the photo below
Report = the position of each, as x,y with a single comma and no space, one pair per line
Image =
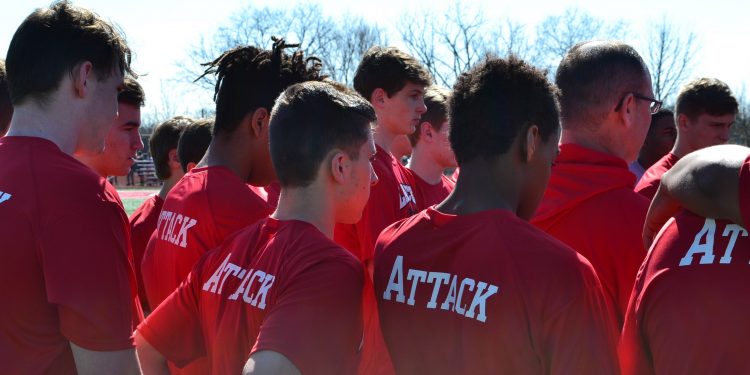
161,31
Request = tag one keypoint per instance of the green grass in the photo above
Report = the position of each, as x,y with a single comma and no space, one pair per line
131,205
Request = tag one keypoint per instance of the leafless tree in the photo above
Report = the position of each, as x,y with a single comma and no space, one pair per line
670,58
741,128
353,37
512,40
448,43
556,34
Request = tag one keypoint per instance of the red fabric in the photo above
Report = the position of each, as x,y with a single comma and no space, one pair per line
272,192
649,183
454,176
506,299
142,225
429,194
590,205
66,271
200,211
689,308
309,312
210,203
393,198
744,192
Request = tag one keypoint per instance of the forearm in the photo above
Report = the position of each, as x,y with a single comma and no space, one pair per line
151,361
109,362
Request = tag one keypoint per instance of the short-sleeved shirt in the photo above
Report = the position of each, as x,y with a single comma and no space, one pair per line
200,211
688,313
276,285
649,183
393,198
142,225
431,194
590,205
66,273
488,293
744,191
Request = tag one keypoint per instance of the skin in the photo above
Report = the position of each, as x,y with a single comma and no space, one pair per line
338,194
121,144
432,154
659,141
398,114
513,181
705,182
702,131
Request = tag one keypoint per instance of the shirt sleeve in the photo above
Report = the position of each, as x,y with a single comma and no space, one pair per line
88,275
317,322
744,191
174,328
581,337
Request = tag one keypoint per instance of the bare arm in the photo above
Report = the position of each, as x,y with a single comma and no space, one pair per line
705,182
152,362
114,362
268,362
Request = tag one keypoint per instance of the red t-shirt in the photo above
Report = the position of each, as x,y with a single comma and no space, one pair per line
277,285
689,310
590,205
487,293
429,194
66,273
650,181
142,225
391,199
200,211
744,193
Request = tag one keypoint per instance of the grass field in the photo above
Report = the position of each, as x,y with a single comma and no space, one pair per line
132,198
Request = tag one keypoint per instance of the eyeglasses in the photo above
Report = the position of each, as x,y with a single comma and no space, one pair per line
655,104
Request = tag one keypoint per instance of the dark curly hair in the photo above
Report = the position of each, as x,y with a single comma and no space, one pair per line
248,78
495,101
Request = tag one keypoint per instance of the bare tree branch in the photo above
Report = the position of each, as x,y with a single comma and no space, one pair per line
670,58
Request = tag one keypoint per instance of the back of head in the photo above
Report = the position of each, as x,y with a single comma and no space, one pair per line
52,41
132,93
494,102
310,120
706,95
249,78
593,76
6,108
164,139
390,69
194,142
436,101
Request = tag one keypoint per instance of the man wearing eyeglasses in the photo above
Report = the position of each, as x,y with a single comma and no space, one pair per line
606,105
706,110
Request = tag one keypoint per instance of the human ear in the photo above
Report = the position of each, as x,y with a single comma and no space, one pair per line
173,159
259,122
377,98
531,144
339,166
81,75
425,130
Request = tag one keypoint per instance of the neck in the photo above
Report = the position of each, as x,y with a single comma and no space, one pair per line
31,121
593,141
681,147
383,138
310,204
425,167
222,152
482,186
168,184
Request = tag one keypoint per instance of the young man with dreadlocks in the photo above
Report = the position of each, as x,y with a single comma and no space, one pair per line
219,196
281,292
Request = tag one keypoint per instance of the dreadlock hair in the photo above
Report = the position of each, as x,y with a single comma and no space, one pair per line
248,78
